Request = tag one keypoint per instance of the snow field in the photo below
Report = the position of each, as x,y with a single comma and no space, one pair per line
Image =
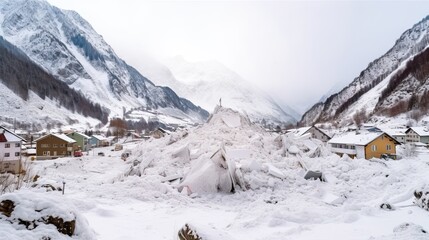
139,198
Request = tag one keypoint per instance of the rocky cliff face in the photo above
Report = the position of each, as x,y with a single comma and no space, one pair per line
66,46
364,92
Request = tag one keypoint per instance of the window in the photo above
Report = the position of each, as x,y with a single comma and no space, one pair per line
62,145
54,145
46,153
6,154
7,145
374,148
388,147
16,154
44,145
17,145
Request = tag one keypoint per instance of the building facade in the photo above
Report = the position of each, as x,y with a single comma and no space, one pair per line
10,152
81,139
54,145
417,134
370,145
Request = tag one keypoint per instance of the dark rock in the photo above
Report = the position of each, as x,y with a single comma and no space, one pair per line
7,207
64,227
35,178
314,175
187,233
418,194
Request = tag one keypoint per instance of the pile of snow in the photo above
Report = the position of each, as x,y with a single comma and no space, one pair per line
225,154
145,197
406,231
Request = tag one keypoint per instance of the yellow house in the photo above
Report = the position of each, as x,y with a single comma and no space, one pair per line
365,145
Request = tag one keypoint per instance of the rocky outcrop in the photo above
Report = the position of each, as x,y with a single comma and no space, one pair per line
7,208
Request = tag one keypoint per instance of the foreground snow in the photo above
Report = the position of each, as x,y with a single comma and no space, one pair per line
139,199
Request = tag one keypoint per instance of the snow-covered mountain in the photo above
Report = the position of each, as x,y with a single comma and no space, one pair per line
205,83
66,46
388,81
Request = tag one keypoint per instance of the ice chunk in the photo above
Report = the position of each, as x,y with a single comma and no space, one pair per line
232,121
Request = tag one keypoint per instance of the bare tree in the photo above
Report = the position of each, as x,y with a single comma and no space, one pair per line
359,117
10,182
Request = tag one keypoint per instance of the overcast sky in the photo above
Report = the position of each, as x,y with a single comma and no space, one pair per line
296,51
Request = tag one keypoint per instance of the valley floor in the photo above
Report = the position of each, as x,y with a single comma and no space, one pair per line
347,206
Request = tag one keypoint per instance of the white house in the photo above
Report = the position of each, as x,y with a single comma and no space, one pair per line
417,134
10,151
313,130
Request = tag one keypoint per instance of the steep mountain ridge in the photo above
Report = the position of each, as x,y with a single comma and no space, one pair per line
66,46
27,102
376,76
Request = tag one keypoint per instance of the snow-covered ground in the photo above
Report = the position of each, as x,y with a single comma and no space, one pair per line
139,198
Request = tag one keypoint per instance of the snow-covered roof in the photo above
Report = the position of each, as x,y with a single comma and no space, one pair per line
394,131
64,137
60,136
356,139
421,131
83,135
10,135
31,151
299,131
99,137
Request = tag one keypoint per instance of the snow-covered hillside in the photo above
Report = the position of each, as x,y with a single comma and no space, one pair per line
66,46
39,111
204,83
365,91
185,178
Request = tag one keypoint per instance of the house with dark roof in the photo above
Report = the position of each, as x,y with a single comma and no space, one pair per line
10,151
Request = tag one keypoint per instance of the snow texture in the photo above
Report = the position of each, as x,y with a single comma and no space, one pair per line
142,197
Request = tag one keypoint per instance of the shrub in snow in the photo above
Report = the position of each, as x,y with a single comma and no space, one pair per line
40,216
422,198
386,206
190,232
187,233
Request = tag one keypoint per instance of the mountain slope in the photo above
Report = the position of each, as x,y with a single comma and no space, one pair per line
364,92
205,83
66,46
25,100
